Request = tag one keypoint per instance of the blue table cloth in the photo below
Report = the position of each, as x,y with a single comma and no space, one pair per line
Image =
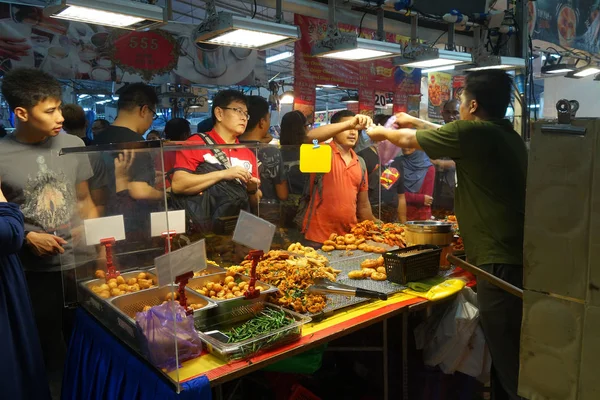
99,366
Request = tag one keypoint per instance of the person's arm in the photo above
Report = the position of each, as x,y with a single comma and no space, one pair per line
11,226
364,210
404,120
403,138
192,184
143,191
429,183
444,164
415,199
85,204
326,132
282,190
402,208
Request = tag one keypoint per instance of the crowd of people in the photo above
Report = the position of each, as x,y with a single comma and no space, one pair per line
213,184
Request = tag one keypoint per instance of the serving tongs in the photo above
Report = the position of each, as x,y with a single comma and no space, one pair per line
325,286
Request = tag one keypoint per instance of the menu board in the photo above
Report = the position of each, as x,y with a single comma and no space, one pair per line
439,88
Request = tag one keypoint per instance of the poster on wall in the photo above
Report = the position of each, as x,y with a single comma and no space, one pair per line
75,50
573,24
439,89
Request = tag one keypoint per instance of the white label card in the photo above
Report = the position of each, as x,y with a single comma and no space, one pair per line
179,262
97,229
253,232
158,222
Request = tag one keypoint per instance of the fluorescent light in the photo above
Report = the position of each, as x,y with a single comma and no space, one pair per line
287,98
433,57
436,69
557,69
236,31
125,14
496,62
587,72
327,86
279,57
349,47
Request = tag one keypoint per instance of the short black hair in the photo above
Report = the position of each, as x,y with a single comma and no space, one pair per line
177,129
224,98
105,124
206,125
450,102
337,117
74,117
293,131
137,95
26,87
491,89
381,119
258,108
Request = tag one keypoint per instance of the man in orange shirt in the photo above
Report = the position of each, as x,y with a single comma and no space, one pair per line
345,188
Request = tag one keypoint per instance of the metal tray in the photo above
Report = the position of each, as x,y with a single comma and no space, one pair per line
429,226
209,270
225,306
128,305
89,295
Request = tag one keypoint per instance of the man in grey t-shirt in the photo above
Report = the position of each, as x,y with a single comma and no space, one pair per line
53,194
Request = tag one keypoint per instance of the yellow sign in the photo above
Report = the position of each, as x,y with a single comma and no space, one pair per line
315,158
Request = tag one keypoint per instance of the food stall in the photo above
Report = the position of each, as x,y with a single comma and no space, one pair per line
152,295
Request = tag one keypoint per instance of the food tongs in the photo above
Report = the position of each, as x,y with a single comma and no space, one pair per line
325,286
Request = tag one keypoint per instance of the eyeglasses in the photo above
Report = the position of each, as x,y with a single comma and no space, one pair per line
239,111
155,117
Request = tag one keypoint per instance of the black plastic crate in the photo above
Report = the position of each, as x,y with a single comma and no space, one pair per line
415,267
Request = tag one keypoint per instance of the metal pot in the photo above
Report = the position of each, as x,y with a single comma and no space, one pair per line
429,227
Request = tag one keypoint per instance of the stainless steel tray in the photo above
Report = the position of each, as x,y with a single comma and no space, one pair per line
226,306
128,305
429,226
96,301
210,269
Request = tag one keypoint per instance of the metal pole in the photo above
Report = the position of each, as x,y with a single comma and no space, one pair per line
380,31
414,29
386,379
485,275
405,355
451,37
278,11
331,17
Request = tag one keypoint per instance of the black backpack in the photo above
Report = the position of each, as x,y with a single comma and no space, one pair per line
215,209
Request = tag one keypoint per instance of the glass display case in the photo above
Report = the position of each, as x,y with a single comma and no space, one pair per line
153,198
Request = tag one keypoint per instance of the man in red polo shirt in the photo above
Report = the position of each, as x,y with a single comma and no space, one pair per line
345,188
197,171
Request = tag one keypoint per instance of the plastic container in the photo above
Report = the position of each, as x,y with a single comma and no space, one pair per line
217,345
402,268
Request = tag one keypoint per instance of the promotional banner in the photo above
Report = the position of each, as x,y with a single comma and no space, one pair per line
439,89
74,50
458,84
568,23
367,77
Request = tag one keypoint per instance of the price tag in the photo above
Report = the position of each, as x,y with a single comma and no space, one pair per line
254,232
179,262
97,229
158,222
380,99
315,158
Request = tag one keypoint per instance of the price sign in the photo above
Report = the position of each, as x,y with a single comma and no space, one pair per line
380,99
254,232
179,262
145,53
315,158
158,222
97,229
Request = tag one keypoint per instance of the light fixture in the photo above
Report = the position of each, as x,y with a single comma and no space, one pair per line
438,69
495,62
557,69
279,57
327,86
287,97
583,72
124,14
226,29
349,47
431,57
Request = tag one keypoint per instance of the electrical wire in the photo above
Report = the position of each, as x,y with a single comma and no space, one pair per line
361,22
255,9
437,40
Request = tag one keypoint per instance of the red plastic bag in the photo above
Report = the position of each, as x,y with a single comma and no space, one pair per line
162,327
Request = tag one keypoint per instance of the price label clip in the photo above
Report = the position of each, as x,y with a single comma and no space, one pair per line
182,281
111,271
252,292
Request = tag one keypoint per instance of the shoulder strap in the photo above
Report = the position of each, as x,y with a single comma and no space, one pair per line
315,187
217,152
363,167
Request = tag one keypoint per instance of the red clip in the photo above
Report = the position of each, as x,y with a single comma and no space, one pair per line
182,280
251,292
168,235
112,273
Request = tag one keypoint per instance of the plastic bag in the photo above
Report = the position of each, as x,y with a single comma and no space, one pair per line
161,326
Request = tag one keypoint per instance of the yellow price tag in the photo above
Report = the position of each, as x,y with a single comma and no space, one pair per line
315,158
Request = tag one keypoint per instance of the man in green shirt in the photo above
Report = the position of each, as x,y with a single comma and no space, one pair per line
491,164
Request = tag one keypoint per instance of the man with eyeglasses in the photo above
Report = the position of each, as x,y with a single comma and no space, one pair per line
199,171
135,114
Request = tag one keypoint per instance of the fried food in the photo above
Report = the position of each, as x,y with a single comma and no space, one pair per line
328,248
329,243
333,236
349,238
381,270
292,274
228,288
357,274
371,263
378,276
368,272
120,286
351,247
340,247
100,274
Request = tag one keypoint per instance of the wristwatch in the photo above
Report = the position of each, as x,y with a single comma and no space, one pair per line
252,192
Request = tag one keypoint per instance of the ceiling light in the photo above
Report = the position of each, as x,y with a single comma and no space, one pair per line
232,30
349,47
287,97
124,14
327,86
437,69
496,62
279,57
583,72
557,69
433,57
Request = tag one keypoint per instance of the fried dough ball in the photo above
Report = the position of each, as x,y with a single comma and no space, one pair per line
380,261
370,263
362,246
368,272
104,287
379,250
120,280
327,248
131,281
104,294
378,276
111,281
329,243
356,274
229,279
100,274
115,292
123,287
349,239
172,295
340,247
351,247
381,270
146,308
360,241
112,285
333,236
